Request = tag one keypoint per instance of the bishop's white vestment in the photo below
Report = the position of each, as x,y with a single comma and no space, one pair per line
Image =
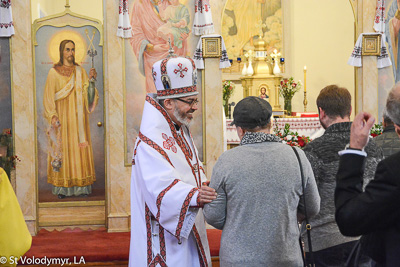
168,227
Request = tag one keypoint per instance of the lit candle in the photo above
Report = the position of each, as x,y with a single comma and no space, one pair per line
305,83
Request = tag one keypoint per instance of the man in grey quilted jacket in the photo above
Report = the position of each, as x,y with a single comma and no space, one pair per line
260,194
389,140
330,247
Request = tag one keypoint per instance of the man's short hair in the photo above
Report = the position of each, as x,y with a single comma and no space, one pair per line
386,118
335,101
393,104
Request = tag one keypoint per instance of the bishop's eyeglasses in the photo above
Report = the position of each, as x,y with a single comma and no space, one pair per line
191,103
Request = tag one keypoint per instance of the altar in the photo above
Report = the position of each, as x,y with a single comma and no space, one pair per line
303,126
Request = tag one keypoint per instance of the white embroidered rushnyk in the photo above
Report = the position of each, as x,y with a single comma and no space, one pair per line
202,23
153,173
124,24
383,59
198,53
379,22
6,21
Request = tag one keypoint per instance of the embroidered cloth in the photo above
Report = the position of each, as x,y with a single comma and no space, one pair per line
168,227
6,21
124,25
198,54
202,23
379,22
383,58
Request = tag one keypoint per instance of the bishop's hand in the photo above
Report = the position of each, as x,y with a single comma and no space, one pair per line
206,194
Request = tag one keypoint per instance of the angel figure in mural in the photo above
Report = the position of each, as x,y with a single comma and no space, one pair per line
148,44
68,100
392,29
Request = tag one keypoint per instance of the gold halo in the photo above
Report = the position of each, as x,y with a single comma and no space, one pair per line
54,44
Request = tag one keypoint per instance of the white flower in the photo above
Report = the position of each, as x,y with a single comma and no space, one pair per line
289,137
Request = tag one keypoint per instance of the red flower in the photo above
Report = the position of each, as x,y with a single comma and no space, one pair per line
301,141
285,81
374,134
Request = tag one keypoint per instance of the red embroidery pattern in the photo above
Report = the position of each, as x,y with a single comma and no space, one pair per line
134,152
168,92
158,260
175,134
154,75
184,209
163,250
5,3
6,25
161,195
203,258
180,70
164,66
198,201
148,229
201,168
155,146
190,153
169,143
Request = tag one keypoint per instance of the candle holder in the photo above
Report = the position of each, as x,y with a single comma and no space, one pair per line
305,101
277,105
239,60
282,63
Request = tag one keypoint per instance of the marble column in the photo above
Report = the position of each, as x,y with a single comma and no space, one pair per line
367,75
118,182
24,111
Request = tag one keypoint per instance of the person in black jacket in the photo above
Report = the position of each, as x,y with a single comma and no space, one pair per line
388,140
374,213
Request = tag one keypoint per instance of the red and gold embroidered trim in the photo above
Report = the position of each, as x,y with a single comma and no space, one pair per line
163,250
182,90
189,151
161,196
201,168
148,232
158,260
155,146
202,253
134,152
184,209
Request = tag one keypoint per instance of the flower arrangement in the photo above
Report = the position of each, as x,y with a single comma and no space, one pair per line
291,138
376,129
8,160
227,89
289,87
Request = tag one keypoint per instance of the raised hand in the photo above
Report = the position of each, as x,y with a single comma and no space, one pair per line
360,129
